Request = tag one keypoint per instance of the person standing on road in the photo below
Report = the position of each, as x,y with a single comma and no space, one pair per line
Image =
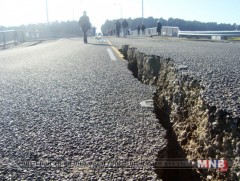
138,28
129,31
85,25
159,27
94,31
143,29
125,25
118,27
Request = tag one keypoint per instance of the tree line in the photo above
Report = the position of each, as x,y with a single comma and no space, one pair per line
72,27
68,28
182,24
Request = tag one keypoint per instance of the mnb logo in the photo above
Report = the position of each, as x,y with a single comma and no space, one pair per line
213,164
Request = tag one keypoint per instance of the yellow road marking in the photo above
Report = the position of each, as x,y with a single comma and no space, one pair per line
119,54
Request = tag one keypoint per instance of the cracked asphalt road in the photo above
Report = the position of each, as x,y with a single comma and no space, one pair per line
215,64
67,111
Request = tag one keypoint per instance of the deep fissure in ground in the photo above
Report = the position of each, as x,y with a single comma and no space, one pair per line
195,130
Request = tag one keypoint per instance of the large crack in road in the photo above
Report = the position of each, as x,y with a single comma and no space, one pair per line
193,126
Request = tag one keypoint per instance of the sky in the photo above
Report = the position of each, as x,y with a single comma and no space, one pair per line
18,12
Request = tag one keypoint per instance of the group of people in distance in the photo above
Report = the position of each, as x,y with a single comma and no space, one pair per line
126,31
124,25
142,27
86,25
139,27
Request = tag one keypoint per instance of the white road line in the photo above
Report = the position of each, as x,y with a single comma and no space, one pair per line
112,56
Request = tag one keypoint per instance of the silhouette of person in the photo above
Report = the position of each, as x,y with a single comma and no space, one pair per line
138,29
129,31
118,27
125,25
143,29
85,25
159,27
94,31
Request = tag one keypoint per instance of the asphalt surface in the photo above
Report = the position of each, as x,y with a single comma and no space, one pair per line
67,111
215,64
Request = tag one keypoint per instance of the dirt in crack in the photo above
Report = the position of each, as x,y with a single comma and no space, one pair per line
174,152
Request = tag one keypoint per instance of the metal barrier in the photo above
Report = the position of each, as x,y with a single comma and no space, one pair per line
8,37
214,35
170,31
14,37
174,31
148,31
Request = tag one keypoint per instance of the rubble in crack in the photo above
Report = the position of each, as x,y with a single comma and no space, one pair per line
202,130
145,68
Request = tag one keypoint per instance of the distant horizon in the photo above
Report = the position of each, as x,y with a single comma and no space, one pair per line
59,21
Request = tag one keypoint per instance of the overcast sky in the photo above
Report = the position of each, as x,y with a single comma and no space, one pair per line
17,12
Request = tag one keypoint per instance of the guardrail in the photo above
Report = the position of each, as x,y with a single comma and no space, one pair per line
148,31
216,35
14,37
7,37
